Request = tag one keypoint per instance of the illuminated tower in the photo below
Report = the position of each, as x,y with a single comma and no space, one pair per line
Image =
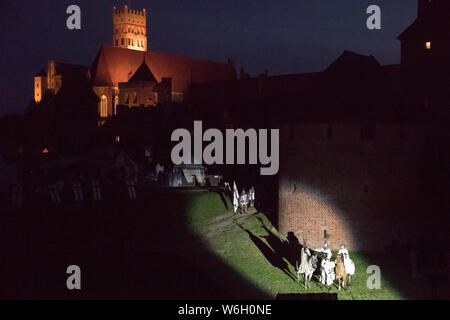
130,28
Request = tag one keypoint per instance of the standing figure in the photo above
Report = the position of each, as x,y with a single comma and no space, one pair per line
307,266
305,254
327,275
251,196
244,201
348,263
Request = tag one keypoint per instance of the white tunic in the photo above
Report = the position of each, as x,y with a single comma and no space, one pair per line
348,263
304,260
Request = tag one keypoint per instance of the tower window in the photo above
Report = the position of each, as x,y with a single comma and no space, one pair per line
428,45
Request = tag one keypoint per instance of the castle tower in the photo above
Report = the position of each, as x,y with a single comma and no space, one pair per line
130,28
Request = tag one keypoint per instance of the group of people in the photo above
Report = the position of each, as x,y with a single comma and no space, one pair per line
247,200
327,266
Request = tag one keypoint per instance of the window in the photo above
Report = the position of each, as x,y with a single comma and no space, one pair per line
123,42
428,45
117,42
104,107
117,139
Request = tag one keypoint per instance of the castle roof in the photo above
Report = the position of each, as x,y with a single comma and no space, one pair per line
113,65
143,74
433,18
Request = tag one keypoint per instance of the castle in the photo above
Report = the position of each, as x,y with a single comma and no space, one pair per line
364,147
127,74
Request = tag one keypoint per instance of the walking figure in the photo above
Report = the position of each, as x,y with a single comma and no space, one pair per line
244,201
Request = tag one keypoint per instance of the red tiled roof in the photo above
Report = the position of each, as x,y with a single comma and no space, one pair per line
113,65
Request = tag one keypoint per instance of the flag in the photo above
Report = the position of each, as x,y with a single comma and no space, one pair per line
235,197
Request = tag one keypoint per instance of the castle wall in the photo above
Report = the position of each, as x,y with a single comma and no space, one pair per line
351,190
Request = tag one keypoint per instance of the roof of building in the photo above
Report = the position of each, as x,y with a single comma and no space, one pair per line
353,86
143,74
113,65
433,18
72,71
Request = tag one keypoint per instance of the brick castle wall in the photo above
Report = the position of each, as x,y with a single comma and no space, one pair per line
340,187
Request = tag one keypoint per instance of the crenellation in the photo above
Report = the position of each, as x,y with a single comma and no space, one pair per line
129,29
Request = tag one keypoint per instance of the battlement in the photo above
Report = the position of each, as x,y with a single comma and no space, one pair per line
130,28
127,11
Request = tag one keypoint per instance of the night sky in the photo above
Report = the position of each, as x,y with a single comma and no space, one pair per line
284,36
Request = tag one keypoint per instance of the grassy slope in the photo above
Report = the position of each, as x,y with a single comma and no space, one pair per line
255,254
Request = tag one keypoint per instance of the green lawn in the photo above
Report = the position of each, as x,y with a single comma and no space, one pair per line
254,250
169,244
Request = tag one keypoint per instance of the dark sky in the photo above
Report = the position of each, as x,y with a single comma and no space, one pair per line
283,36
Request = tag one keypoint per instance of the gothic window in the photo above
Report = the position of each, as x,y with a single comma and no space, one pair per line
135,98
428,45
104,107
123,42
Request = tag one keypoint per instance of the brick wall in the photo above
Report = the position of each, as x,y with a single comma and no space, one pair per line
364,193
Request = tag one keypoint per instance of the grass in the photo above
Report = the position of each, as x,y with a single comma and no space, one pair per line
169,244
251,246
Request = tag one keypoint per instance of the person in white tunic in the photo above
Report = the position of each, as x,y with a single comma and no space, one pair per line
327,274
251,197
305,254
348,263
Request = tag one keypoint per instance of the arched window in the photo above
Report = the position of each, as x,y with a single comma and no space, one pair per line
104,107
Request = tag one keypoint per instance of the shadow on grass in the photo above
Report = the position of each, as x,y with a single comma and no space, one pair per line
269,253
126,250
